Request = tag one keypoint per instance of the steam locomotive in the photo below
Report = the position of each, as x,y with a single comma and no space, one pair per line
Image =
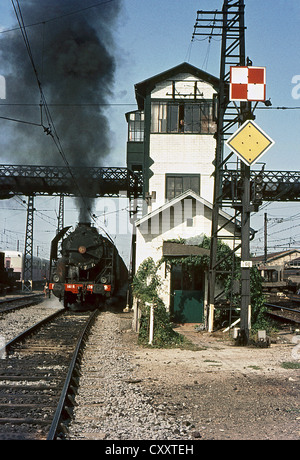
90,271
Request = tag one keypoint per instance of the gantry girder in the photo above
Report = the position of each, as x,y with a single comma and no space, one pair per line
92,182
28,252
264,186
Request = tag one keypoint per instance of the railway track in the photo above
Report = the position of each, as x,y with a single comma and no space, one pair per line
37,374
14,303
285,313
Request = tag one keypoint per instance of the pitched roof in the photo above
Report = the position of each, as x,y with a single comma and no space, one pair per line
145,87
273,256
177,199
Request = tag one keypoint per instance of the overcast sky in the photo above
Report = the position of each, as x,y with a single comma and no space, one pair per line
151,36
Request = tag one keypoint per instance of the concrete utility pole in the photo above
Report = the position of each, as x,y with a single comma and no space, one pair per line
245,110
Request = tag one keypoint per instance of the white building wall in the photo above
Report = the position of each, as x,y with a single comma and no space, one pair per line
150,243
181,154
185,87
177,153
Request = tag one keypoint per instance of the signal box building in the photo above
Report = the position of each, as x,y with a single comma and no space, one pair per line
171,134
171,142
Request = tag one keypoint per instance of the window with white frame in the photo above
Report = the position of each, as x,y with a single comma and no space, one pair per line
136,127
182,117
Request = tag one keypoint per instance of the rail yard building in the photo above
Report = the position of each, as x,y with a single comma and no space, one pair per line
171,141
280,270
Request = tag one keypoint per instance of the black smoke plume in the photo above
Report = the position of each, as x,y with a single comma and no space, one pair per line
74,53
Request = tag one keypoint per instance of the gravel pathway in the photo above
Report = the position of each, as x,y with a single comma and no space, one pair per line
111,404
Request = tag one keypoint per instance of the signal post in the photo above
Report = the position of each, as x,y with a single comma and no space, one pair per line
249,143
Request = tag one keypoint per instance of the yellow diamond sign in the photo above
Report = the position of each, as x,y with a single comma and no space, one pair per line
250,142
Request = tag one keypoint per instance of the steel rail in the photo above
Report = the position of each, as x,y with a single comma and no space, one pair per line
281,314
281,307
57,423
25,303
21,297
28,331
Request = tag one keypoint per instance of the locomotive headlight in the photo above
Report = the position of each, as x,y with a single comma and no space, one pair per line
82,249
55,278
103,280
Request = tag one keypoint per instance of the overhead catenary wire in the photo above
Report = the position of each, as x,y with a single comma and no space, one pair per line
95,104
26,122
55,18
285,240
279,108
50,129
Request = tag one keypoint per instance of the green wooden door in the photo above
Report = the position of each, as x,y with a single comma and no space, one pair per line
188,306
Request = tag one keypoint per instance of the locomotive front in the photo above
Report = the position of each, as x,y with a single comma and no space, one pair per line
85,272
83,249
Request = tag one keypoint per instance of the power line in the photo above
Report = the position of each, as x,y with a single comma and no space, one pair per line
51,129
111,104
95,104
21,121
59,17
278,108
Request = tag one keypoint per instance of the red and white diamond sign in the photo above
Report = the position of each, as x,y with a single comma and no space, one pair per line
247,84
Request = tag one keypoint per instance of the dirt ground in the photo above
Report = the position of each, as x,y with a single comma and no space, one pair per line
220,390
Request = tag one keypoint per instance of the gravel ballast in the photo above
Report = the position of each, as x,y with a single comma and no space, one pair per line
216,391
111,402
17,321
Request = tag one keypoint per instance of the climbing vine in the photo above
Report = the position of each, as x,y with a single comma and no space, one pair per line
230,272
259,319
202,261
145,286
147,282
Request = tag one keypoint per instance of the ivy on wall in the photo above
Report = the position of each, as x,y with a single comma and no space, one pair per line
224,253
145,286
147,282
202,261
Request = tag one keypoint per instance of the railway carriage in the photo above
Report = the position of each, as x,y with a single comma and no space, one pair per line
12,263
286,278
